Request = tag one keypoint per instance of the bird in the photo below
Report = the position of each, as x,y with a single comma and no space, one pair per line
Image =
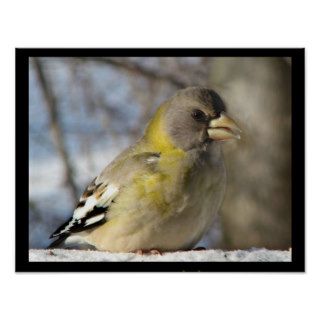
163,192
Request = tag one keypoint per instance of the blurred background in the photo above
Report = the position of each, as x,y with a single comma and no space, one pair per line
84,111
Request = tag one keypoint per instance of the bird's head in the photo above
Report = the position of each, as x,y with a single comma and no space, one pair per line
193,117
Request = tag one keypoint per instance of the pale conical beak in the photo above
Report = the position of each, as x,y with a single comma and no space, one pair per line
223,128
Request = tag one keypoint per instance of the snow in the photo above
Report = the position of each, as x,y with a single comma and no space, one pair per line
213,255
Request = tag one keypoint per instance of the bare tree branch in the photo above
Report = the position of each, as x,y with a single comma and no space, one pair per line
146,98
51,104
136,68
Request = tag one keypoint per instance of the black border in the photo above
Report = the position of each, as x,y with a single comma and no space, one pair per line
298,161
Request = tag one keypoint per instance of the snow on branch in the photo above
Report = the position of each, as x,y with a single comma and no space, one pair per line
251,255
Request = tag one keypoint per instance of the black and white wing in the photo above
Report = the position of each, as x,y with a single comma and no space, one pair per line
95,202
90,212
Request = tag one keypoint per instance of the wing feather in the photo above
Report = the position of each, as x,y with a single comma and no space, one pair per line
96,200
91,210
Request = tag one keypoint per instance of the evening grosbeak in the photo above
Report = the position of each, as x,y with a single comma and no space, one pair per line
164,191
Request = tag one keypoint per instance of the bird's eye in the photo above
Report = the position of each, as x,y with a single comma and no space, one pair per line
199,115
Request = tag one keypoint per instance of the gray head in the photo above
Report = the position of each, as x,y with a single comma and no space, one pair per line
196,116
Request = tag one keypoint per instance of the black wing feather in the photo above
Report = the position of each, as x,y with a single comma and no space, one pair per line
80,224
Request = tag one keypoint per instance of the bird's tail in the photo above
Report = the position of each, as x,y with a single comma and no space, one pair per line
58,243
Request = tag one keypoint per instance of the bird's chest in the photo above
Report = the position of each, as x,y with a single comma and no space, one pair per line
204,189
193,205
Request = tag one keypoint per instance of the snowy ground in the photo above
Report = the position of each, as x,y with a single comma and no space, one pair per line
251,255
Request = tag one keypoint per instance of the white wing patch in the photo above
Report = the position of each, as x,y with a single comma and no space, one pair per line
94,219
108,195
91,209
80,213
